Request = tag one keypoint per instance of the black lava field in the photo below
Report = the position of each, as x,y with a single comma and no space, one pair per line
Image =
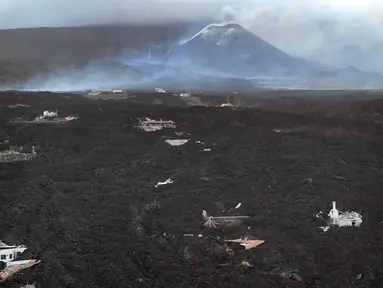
87,205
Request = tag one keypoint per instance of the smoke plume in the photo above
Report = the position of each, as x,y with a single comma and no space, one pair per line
228,14
340,32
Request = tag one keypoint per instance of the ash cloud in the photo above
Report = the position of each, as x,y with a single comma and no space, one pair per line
334,32
340,32
228,14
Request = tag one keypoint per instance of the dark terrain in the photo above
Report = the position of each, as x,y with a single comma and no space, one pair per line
87,206
43,52
76,44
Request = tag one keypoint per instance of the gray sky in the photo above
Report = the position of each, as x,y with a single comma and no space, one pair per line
331,31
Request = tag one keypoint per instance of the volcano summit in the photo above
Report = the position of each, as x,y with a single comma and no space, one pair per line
234,49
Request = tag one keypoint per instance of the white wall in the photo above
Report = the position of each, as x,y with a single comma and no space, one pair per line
7,255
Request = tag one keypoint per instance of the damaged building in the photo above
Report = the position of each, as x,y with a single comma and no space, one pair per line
10,153
154,125
9,260
46,117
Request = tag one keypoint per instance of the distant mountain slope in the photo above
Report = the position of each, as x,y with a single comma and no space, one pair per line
349,78
74,44
14,71
219,56
35,74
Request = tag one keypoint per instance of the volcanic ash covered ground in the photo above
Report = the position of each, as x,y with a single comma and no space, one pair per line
87,205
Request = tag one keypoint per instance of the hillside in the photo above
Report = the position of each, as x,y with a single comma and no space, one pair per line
46,53
44,75
81,43
14,71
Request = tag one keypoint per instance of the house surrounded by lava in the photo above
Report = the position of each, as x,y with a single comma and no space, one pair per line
154,125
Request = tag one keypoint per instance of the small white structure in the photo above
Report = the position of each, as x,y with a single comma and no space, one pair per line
177,142
71,118
10,252
50,114
227,105
47,115
149,125
188,94
324,228
343,219
159,90
166,182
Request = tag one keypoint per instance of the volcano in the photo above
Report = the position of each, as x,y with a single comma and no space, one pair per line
231,51
234,50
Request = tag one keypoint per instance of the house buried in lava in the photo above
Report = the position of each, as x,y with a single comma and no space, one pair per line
154,125
9,255
344,219
12,153
46,117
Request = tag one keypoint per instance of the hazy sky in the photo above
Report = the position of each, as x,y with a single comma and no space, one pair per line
332,31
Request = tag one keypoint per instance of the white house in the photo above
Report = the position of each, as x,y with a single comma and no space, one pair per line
10,252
